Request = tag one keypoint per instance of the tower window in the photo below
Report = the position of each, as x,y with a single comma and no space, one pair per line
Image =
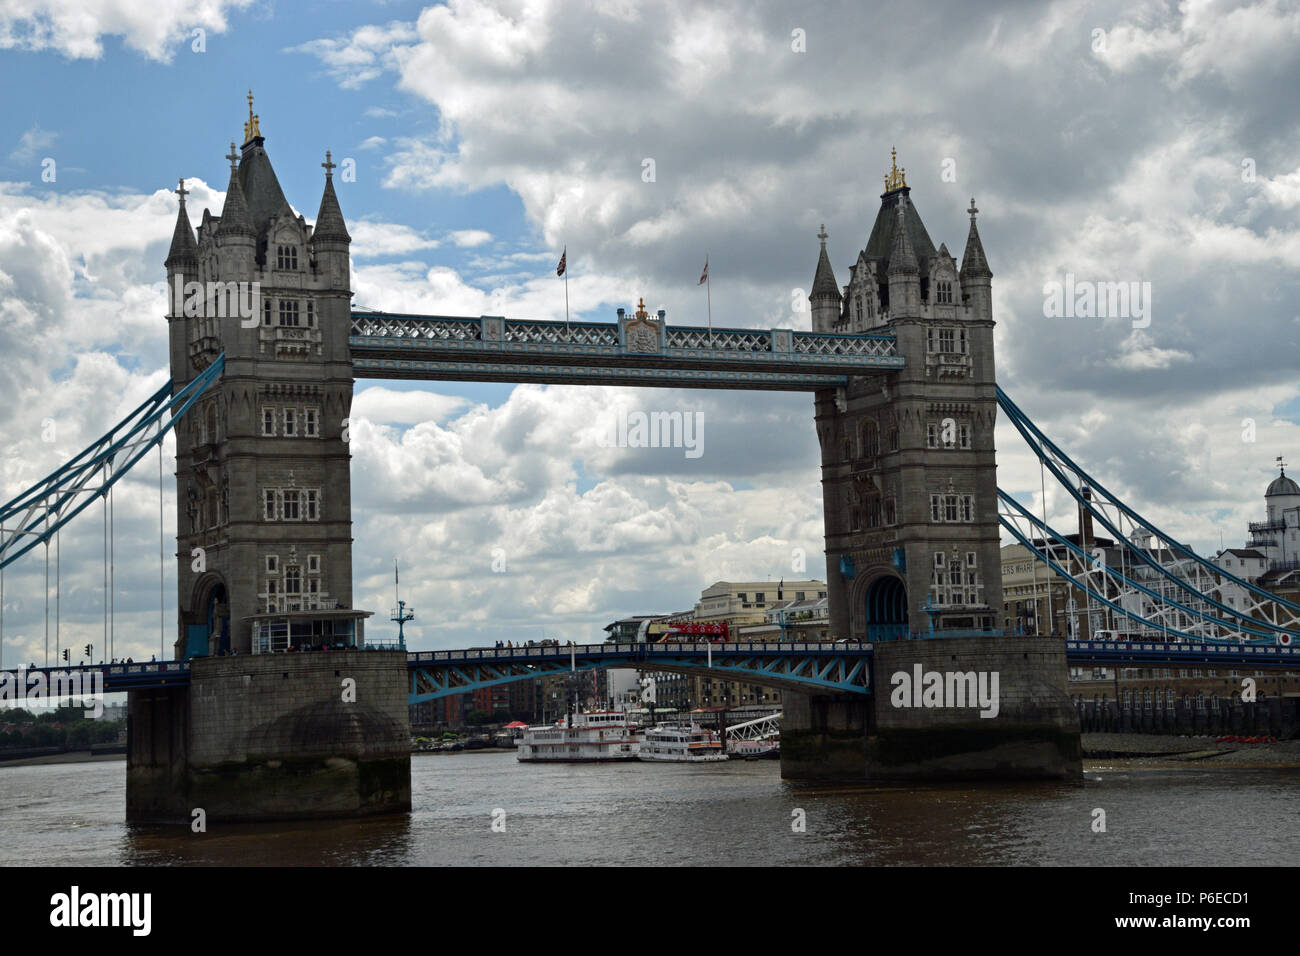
311,314
311,423
944,292
289,313
268,422
268,504
290,423
286,257
291,506
310,505
313,564
266,311
272,563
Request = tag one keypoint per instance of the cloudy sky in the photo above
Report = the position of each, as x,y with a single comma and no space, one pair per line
1150,142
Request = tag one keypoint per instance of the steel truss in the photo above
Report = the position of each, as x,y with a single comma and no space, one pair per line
35,515
844,668
1165,586
760,728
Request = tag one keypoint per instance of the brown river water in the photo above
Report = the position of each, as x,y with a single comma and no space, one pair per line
735,813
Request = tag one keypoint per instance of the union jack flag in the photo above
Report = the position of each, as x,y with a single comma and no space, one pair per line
559,270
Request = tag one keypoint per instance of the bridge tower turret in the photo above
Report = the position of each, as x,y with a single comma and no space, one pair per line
826,298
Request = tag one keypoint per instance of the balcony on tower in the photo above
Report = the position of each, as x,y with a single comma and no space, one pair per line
318,629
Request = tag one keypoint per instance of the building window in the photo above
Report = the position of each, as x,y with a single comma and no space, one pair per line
946,337
938,559
290,510
289,313
952,508
931,434
290,422
873,511
266,311
286,257
268,505
945,292
970,559
292,580
313,564
268,422
311,422
272,564
963,436
311,314
870,440
310,505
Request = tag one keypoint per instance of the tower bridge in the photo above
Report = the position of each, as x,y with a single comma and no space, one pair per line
901,366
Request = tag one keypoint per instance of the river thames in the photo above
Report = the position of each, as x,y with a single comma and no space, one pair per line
737,813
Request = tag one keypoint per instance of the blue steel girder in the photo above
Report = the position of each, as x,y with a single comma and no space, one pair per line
493,348
33,516
792,666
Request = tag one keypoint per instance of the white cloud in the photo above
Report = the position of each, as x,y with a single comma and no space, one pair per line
471,237
154,28
371,239
32,144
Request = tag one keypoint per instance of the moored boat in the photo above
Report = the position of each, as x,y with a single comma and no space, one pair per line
582,738
682,744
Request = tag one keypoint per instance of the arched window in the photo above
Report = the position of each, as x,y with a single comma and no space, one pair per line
286,257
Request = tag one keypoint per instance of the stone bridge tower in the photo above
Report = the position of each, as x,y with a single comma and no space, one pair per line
264,531
908,470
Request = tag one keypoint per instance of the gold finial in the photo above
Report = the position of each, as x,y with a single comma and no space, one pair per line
251,127
896,178
641,313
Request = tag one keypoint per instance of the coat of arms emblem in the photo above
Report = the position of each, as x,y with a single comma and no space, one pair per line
641,334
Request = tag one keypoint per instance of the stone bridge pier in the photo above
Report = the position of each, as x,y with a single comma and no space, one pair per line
920,722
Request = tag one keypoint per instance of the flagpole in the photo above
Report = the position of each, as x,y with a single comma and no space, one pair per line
708,293
566,299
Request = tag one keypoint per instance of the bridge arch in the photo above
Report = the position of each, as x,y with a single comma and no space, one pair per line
207,625
884,608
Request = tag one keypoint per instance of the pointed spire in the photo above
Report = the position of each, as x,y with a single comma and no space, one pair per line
973,263
902,257
235,220
329,220
824,283
184,250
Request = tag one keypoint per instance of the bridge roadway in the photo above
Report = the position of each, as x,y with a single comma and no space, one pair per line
841,667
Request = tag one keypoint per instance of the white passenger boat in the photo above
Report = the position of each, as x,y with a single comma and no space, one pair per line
582,738
766,749
682,744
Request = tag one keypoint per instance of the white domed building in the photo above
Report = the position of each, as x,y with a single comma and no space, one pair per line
1277,537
